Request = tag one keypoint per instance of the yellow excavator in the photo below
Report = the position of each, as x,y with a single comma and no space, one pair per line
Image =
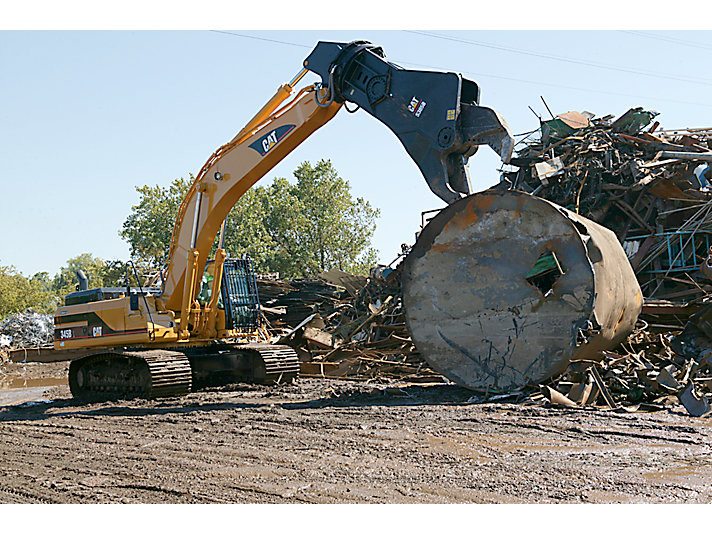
180,334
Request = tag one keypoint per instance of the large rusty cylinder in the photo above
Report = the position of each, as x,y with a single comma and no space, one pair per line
503,289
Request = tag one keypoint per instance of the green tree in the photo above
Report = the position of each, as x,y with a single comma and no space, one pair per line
305,228
149,227
338,228
101,273
18,293
297,229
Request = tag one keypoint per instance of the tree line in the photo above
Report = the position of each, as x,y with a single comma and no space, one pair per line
297,229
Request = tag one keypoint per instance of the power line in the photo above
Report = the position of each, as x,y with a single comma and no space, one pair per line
668,39
261,38
558,86
702,81
487,75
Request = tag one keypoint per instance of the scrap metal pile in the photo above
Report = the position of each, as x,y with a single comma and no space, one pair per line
356,330
26,330
363,336
646,185
650,188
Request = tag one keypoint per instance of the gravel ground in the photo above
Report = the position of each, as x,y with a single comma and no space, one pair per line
328,441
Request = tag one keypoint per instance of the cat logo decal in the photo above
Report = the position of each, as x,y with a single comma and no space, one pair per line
265,143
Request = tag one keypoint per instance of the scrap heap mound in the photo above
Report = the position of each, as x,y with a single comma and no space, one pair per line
647,186
27,329
650,188
353,330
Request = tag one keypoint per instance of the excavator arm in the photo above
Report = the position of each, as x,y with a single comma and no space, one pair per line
235,167
435,115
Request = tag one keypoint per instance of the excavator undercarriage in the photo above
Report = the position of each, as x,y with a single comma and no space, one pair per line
151,373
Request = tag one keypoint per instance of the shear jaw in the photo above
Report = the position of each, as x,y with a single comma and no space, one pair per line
476,126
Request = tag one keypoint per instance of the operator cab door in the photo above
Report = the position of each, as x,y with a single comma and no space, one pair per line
238,294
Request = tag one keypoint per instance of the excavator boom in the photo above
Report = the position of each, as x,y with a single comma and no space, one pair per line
435,115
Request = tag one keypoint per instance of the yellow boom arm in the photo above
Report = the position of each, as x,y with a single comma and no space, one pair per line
235,167
436,116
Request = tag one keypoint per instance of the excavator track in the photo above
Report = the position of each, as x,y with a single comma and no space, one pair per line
149,374
279,363
256,363
166,373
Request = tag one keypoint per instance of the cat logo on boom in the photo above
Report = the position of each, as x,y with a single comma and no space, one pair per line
265,143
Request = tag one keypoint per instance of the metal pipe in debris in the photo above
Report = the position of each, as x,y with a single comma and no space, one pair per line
702,156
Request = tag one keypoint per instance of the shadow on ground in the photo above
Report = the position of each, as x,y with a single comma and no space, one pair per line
334,397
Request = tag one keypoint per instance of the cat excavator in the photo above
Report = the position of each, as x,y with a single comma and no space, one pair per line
182,333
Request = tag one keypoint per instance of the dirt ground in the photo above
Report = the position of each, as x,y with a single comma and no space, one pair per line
327,441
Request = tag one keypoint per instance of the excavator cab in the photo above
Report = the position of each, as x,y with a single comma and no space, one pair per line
239,295
239,298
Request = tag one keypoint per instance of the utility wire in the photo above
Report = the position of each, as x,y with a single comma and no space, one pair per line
558,86
260,38
702,81
487,75
668,39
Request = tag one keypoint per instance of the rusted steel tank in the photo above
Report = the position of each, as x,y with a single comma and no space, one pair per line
504,289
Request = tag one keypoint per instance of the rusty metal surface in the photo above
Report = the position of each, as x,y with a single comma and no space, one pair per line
475,317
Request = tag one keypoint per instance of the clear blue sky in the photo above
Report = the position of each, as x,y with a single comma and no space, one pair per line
88,116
